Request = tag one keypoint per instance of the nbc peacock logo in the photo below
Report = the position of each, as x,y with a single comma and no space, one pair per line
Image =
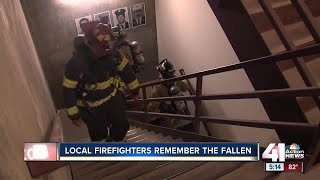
293,152
294,146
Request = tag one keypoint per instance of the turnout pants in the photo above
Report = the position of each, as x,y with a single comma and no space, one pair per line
112,114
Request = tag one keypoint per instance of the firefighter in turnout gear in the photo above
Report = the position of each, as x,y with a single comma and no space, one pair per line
91,86
131,50
167,89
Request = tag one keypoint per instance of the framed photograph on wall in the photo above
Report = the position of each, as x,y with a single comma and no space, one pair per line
120,17
104,17
80,21
138,15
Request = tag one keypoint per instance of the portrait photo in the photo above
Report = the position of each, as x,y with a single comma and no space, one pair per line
120,18
138,15
80,21
104,17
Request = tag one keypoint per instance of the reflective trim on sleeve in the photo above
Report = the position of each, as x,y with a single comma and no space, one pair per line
101,85
72,110
99,102
69,83
123,64
133,85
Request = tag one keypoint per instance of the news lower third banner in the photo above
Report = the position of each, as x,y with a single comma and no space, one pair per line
142,151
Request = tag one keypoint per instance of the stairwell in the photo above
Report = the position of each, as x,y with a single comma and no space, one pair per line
142,132
299,36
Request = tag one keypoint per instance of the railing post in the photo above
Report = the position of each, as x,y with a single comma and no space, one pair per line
145,104
314,149
196,122
192,92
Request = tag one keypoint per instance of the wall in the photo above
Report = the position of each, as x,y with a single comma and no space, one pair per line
26,107
197,42
53,29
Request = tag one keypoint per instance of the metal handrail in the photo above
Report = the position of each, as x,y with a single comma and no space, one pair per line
302,92
314,49
198,97
309,91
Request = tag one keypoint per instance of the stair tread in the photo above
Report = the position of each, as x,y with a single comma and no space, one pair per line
166,139
152,138
169,170
182,123
136,170
179,140
209,170
108,170
133,131
96,166
250,170
129,134
139,137
78,165
137,133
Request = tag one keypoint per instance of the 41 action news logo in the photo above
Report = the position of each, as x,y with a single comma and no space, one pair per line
281,152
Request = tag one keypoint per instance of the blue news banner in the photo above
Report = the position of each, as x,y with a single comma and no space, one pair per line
158,151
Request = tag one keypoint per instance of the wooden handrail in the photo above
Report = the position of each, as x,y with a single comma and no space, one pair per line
267,59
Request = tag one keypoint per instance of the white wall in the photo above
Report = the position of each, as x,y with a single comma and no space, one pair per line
26,108
191,37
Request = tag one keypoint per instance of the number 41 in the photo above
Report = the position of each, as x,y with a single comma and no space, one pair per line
278,152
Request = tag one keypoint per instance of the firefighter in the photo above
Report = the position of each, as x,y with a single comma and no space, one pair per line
168,89
131,50
91,86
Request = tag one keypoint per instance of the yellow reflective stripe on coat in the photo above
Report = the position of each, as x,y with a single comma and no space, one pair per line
123,64
134,84
99,102
69,83
72,110
101,85
120,81
122,84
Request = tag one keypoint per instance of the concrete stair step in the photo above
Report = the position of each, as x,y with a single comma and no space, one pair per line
133,131
169,170
78,165
105,171
166,139
152,138
137,170
140,168
93,168
140,136
138,132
